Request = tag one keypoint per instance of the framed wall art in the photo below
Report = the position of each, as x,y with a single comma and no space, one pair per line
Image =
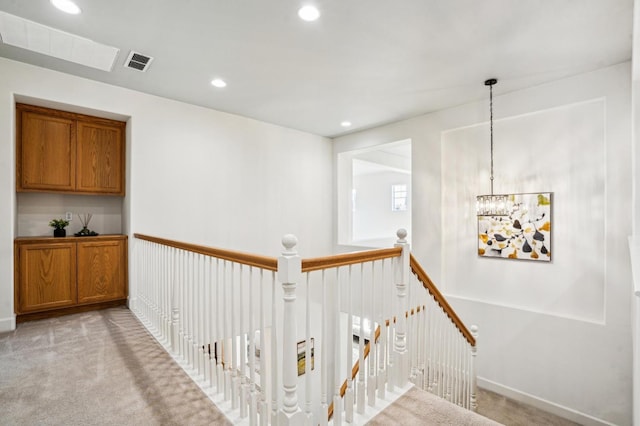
523,233
302,353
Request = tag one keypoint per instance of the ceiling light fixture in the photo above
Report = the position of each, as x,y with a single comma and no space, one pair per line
66,6
308,13
492,205
218,82
346,124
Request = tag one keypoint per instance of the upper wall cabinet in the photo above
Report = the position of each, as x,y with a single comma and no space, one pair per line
59,151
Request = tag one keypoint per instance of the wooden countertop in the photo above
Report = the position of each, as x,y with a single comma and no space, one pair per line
52,239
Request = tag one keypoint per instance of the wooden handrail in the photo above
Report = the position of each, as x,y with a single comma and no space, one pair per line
264,262
326,262
271,263
433,290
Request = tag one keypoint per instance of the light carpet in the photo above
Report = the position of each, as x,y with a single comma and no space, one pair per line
95,368
418,407
104,368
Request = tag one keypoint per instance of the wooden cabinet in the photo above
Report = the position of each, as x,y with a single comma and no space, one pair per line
47,276
59,151
54,274
101,271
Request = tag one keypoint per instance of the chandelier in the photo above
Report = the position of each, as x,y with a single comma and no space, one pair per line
492,205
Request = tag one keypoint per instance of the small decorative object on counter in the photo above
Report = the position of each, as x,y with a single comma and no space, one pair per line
85,232
58,226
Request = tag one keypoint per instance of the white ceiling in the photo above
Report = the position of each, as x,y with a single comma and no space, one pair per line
370,62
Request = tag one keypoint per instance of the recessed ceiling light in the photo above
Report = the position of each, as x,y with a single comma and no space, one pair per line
218,82
66,6
308,13
346,124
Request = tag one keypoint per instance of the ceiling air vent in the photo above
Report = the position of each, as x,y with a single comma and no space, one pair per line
138,61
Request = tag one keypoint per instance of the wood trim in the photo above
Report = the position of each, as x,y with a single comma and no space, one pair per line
51,239
70,115
264,262
18,145
20,318
318,263
435,293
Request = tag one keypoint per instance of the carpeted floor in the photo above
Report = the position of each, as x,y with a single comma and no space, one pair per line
96,368
104,368
420,408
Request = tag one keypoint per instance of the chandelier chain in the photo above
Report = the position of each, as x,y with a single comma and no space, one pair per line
491,130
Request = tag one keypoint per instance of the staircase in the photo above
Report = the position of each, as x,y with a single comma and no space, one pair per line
245,326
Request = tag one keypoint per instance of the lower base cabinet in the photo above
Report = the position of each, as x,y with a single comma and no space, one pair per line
61,273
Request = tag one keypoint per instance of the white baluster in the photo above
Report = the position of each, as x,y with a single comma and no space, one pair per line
274,354
253,398
228,332
324,406
474,402
190,308
422,344
450,358
382,358
199,340
337,398
243,349
175,306
166,305
206,322
411,327
391,355
264,406
220,321
348,395
160,286
373,371
235,383
211,328
360,390
183,305
308,361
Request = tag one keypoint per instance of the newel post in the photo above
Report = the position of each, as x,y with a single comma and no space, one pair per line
289,274
401,275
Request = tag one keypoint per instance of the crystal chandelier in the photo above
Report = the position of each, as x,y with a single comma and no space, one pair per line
492,205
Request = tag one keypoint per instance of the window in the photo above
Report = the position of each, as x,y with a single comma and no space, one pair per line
399,198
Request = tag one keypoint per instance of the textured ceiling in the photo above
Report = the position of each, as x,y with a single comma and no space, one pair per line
370,62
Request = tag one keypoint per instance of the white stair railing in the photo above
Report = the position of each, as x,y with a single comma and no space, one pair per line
329,342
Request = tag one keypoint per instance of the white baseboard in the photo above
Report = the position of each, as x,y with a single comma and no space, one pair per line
542,404
7,324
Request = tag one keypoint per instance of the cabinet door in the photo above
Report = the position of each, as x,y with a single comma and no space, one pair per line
101,271
46,153
46,276
100,158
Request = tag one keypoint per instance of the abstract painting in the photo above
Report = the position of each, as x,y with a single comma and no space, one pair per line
524,233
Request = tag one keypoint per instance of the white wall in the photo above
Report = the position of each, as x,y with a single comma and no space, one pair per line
373,217
635,237
195,174
569,349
